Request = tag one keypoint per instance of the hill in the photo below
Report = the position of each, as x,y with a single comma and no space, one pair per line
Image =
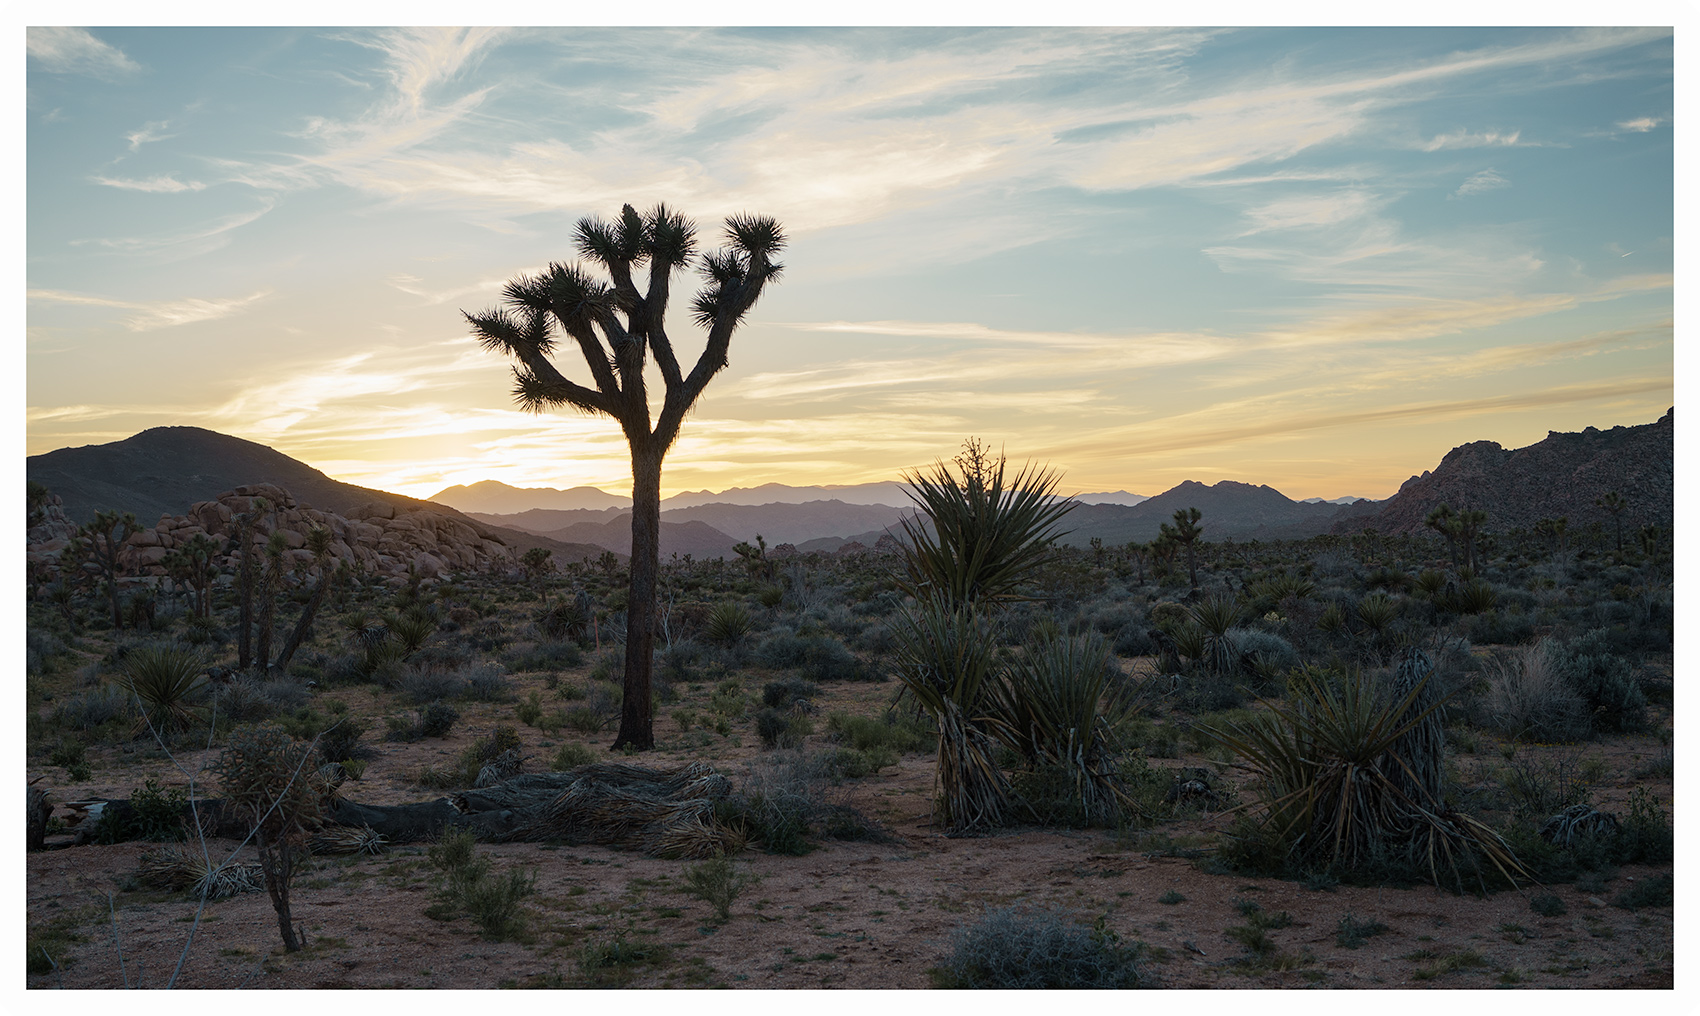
1562,475
164,470
1229,508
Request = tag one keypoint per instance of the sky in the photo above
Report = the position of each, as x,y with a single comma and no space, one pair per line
1311,258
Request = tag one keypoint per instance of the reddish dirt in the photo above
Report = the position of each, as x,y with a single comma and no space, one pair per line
847,915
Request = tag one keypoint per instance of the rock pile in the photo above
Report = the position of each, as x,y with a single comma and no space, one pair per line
376,538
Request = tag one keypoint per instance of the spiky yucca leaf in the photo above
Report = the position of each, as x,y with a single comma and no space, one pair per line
984,536
162,678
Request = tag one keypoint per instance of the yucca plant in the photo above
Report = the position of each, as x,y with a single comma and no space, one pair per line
163,678
728,624
1326,764
980,536
1215,616
947,658
1056,707
1376,612
411,629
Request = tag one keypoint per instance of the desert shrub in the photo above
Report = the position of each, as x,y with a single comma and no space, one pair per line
1653,891
856,763
152,813
717,883
546,656
1352,932
782,802
430,684
782,693
571,756
863,733
487,683
1547,905
342,740
1499,628
1134,639
1527,696
1646,835
1042,949
93,708
1264,654
1604,680
492,899
819,657
71,755
437,719
1540,786
782,729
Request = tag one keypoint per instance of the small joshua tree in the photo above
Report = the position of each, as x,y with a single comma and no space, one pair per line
267,779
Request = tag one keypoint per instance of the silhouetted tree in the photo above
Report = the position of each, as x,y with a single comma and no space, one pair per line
617,328
1615,503
97,544
1186,532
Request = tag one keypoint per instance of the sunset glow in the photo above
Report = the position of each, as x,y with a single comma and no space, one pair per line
1314,259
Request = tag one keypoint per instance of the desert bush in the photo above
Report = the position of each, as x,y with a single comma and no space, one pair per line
782,693
717,883
152,813
782,729
571,756
864,733
1539,786
546,656
71,755
487,683
1039,949
1264,654
819,657
1528,697
93,708
1499,628
493,900
1134,639
430,684
1605,681
342,740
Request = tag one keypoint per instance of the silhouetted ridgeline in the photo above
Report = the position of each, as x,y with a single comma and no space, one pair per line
1563,475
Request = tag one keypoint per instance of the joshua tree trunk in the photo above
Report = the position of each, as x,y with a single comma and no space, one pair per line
277,863
245,593
637,725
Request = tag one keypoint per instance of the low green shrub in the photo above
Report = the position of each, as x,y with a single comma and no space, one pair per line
903,735
717,883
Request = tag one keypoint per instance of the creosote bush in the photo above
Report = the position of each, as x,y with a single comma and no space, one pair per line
717,883
1039,949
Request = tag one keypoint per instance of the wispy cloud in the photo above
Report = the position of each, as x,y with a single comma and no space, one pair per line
157,314
198,240
1640,125
1467,139
166,184
76,51
1486,180
148,133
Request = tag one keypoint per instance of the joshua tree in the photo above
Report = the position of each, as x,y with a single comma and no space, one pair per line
1186,532
319,542
97,544
536,565
1615,503
617,328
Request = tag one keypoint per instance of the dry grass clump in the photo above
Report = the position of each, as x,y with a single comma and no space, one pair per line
1528,696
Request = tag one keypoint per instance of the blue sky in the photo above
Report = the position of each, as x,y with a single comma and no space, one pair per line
1311,258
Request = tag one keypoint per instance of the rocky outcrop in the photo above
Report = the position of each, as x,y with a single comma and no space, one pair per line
379,538
1563,475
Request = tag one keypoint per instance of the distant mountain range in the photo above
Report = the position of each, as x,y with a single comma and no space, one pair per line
164,470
